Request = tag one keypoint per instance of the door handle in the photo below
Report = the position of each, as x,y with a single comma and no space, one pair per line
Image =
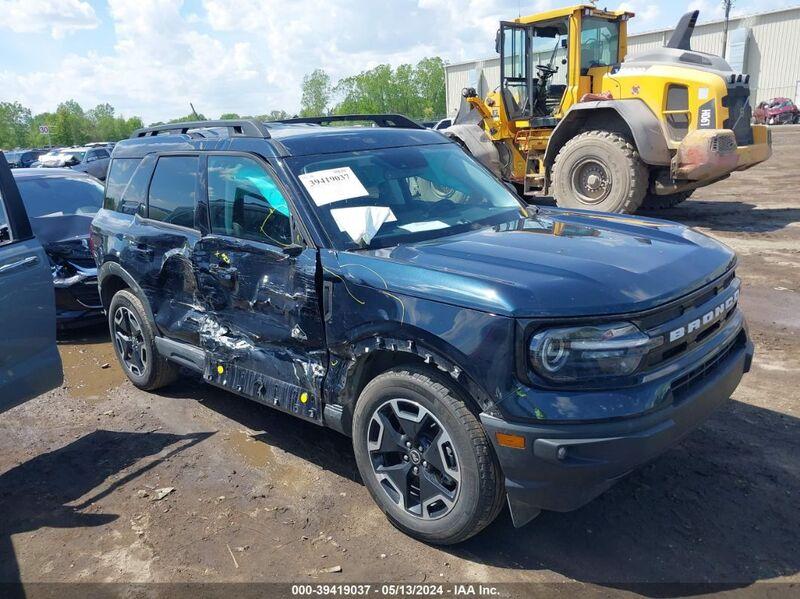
5,268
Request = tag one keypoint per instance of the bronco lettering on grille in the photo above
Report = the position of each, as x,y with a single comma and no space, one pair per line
705,320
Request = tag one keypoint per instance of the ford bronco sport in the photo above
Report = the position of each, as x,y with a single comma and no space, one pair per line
380,281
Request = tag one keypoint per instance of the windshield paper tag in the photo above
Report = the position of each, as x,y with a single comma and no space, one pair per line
333,185
362,223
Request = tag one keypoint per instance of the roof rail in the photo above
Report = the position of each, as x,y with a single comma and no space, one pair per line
237,127
382,120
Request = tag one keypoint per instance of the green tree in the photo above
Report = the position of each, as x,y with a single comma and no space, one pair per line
104,125
229,115
274,115
71,126
316,93
189,117
429,87
416,91
15,122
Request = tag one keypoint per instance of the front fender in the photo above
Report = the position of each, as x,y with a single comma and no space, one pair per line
643,125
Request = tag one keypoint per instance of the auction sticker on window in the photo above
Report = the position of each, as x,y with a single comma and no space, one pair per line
333,185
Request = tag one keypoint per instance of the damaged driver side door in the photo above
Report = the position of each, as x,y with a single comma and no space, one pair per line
263,330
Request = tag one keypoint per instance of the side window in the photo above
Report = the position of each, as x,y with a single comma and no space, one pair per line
91,156
102,154
173,190
244,201
119,175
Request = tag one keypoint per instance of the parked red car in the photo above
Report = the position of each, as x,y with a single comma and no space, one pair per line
777,111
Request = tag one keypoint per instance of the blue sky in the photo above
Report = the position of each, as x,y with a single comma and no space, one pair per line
152,57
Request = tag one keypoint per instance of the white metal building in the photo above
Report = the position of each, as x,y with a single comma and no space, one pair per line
766,45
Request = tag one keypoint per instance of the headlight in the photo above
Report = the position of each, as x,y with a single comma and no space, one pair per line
589,352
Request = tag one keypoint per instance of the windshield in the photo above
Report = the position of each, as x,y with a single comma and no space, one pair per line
60,197
599,43
391,196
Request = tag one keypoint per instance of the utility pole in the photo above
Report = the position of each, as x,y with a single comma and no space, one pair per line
727,5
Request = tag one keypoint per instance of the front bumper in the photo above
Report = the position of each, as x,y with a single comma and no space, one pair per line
564,466
78,299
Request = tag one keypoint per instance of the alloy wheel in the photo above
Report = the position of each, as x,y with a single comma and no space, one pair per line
414,458
129,340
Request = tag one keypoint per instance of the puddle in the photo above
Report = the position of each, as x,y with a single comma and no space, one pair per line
255,452
282,470
84,374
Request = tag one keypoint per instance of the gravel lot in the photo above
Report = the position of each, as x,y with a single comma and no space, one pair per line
260,496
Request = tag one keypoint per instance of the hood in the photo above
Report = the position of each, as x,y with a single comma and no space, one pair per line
558,263
65,237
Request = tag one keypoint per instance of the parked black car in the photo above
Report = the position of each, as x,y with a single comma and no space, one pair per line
381,282
61,204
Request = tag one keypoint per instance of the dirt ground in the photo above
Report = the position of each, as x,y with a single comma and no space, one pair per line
255,495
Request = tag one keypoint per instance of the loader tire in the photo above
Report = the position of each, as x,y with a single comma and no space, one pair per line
599,170
654,202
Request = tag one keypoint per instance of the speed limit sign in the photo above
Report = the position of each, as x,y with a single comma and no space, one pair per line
44,129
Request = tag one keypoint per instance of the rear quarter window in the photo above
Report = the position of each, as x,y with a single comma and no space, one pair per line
119,175
173,190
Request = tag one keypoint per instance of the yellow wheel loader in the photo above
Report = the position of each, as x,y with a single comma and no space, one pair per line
575,119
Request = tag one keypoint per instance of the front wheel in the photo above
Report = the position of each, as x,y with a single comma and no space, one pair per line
425,458
599,170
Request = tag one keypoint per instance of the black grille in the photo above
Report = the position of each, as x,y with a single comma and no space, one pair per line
739,114
683,386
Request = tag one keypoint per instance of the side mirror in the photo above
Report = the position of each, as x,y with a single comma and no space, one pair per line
498,41
293,249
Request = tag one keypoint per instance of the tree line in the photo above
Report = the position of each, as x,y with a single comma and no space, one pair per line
417,91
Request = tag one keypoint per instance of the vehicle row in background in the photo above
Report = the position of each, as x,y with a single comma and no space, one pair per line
778,111
91,160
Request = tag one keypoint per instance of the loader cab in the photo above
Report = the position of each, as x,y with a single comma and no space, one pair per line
548,61
533,67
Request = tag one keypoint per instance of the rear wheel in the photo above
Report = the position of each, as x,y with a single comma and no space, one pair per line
425,458
134,343
599,170
656,202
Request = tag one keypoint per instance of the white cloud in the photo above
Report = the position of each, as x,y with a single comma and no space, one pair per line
60,17
249,56
647,13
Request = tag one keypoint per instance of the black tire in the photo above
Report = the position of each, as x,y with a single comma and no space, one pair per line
151,371
478,496
599,170
655,202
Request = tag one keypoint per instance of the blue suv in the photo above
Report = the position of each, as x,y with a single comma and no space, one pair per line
381,282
